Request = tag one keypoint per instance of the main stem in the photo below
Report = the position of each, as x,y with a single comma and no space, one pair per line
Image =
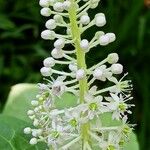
83,86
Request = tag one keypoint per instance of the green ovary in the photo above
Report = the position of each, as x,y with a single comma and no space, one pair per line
73,122
93,106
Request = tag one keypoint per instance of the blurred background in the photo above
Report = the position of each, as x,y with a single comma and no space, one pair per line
22,50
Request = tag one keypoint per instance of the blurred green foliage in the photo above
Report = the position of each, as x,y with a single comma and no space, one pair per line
22,50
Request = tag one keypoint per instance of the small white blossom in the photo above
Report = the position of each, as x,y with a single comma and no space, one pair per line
80,74
34,103
44,3
30,112
45,71
84,44
100,20
49,62
112,58
59,43
117,68
57,53
104,40
33,141
85,19
27,130
101,73
48,35
73,67
58,18
66,4
58,6
45,12
35,122
51,24
112,37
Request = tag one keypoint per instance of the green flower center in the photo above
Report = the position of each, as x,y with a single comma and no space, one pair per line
93,106
110,147
121,142
126,130
73,122
122,106
55,134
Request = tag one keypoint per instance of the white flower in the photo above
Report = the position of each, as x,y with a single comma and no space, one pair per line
57,53
45,71
36,122
58,86
84,44
100,20
33,141
58,6
45,12
34,103
66,4
48,35
124,87
93,106
27,130
118,106
112,142
117,68
112,37
85,19
101,73
104,40
49,62
80,74
59,43
51,24
112,58
44,3
30,112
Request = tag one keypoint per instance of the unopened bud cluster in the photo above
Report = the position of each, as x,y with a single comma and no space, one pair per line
62,129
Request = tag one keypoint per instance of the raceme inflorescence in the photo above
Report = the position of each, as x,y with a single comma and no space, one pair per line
79,126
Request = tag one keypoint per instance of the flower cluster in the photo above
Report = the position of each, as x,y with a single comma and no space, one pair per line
63,128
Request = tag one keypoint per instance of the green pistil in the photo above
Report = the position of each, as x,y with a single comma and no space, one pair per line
121,142
73,122
93,106
126,130
110,147
122,106
55,134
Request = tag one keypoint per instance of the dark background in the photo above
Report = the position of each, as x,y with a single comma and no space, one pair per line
22,50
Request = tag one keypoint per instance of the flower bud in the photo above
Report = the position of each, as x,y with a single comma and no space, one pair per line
49,62
34,103
30,112
33,141
44,3
84,44
73,67
100,20
45,71
57,53
98,73
27,130
48,35
59,43
112,58
117,68
58,6
58,18
85,19
112,37
50,24
80,74
66,4
104,40
35,122
45,12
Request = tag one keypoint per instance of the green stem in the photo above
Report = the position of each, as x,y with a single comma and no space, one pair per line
83,86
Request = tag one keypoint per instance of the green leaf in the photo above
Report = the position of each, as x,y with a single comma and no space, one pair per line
12,137
19,99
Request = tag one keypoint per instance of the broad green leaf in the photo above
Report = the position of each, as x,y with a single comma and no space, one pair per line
19,99
12,137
